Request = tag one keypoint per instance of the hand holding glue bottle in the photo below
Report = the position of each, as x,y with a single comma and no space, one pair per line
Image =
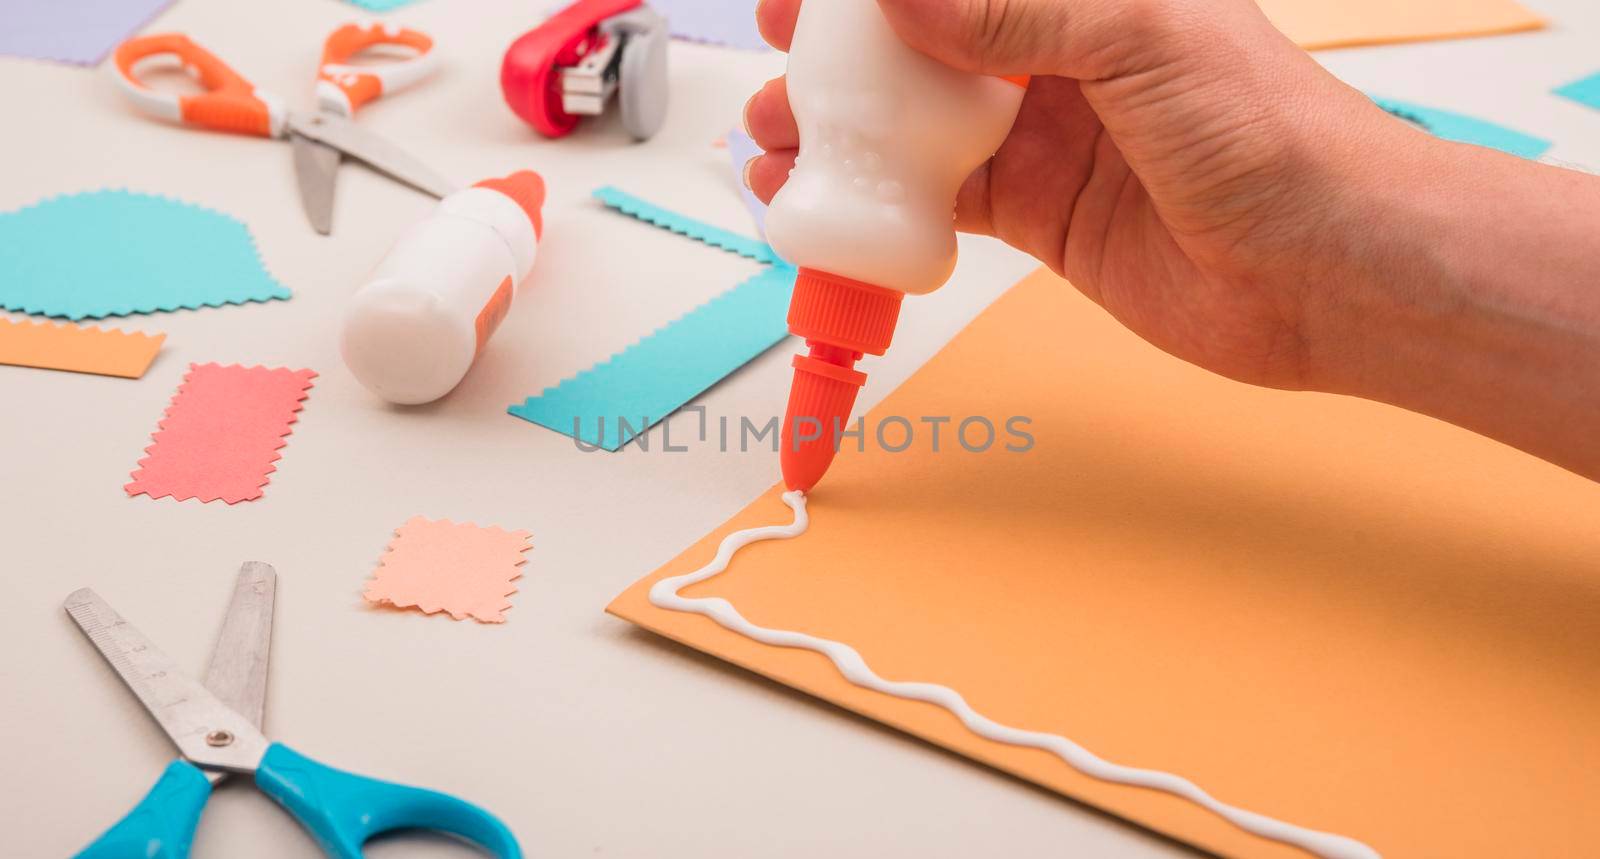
412,332
887,136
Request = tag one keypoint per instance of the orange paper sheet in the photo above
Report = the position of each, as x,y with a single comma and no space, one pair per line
1337,613
462,569
78,349
1315,24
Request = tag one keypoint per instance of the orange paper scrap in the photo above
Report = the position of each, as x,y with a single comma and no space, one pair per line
78,348
438,565
1315,24
1333,612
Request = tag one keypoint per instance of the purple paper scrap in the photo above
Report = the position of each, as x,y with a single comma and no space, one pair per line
719,22
81,32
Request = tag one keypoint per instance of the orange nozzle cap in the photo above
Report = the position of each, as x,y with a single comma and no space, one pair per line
841,319
526,189
842,312
820,399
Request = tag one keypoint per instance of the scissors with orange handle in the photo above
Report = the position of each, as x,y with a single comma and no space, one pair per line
231,103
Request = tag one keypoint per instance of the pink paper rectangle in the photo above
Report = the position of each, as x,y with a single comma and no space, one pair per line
221,434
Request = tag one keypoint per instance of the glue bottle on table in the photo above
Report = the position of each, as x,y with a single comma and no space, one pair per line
887,136
415,328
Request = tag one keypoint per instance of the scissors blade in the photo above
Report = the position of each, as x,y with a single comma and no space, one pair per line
192,717
237,674
376,152
316,171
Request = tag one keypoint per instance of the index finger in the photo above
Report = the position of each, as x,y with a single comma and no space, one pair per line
776,18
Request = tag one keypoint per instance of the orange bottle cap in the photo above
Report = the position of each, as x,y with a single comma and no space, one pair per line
842,312
526,189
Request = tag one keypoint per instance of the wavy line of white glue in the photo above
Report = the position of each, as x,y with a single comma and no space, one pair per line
664,594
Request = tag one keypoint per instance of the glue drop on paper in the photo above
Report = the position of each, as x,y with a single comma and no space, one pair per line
415,328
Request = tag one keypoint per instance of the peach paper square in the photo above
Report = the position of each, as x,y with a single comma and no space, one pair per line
463,569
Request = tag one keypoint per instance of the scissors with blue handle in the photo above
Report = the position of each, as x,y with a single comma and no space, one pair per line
215,727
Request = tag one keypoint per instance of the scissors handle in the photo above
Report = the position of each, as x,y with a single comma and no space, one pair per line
343,87
343,810
162,825
230,103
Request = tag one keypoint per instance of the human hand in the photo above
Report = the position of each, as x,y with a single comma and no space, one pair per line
1180,161
1218,192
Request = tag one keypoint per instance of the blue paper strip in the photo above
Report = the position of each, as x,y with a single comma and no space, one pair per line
623,396
1466,129
646,382
380,5
685,226
1586,91
112,253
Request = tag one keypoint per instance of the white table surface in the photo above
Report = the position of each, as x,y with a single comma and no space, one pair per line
589,737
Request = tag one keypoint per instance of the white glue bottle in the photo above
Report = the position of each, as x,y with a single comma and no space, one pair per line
887,137
414,329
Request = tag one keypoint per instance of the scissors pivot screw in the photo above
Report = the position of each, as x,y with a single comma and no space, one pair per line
219,738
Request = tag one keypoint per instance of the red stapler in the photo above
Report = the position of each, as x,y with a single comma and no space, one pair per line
571,65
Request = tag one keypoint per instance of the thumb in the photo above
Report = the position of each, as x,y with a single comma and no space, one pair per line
1084,39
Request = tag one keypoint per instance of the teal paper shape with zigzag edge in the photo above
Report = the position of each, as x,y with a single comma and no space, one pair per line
688,227
1585,91
623,396
112,253
1465,129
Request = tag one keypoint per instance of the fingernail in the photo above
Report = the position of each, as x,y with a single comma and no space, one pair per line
745,173
744,115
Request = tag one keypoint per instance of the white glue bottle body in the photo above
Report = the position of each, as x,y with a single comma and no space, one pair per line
887,137
414,329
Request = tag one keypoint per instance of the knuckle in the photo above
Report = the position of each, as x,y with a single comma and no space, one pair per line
1001,31
981,34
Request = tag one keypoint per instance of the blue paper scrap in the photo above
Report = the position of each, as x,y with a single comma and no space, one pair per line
1466,129
740,150
717,237
112,253
1586,91
380,5
623,396
718,22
